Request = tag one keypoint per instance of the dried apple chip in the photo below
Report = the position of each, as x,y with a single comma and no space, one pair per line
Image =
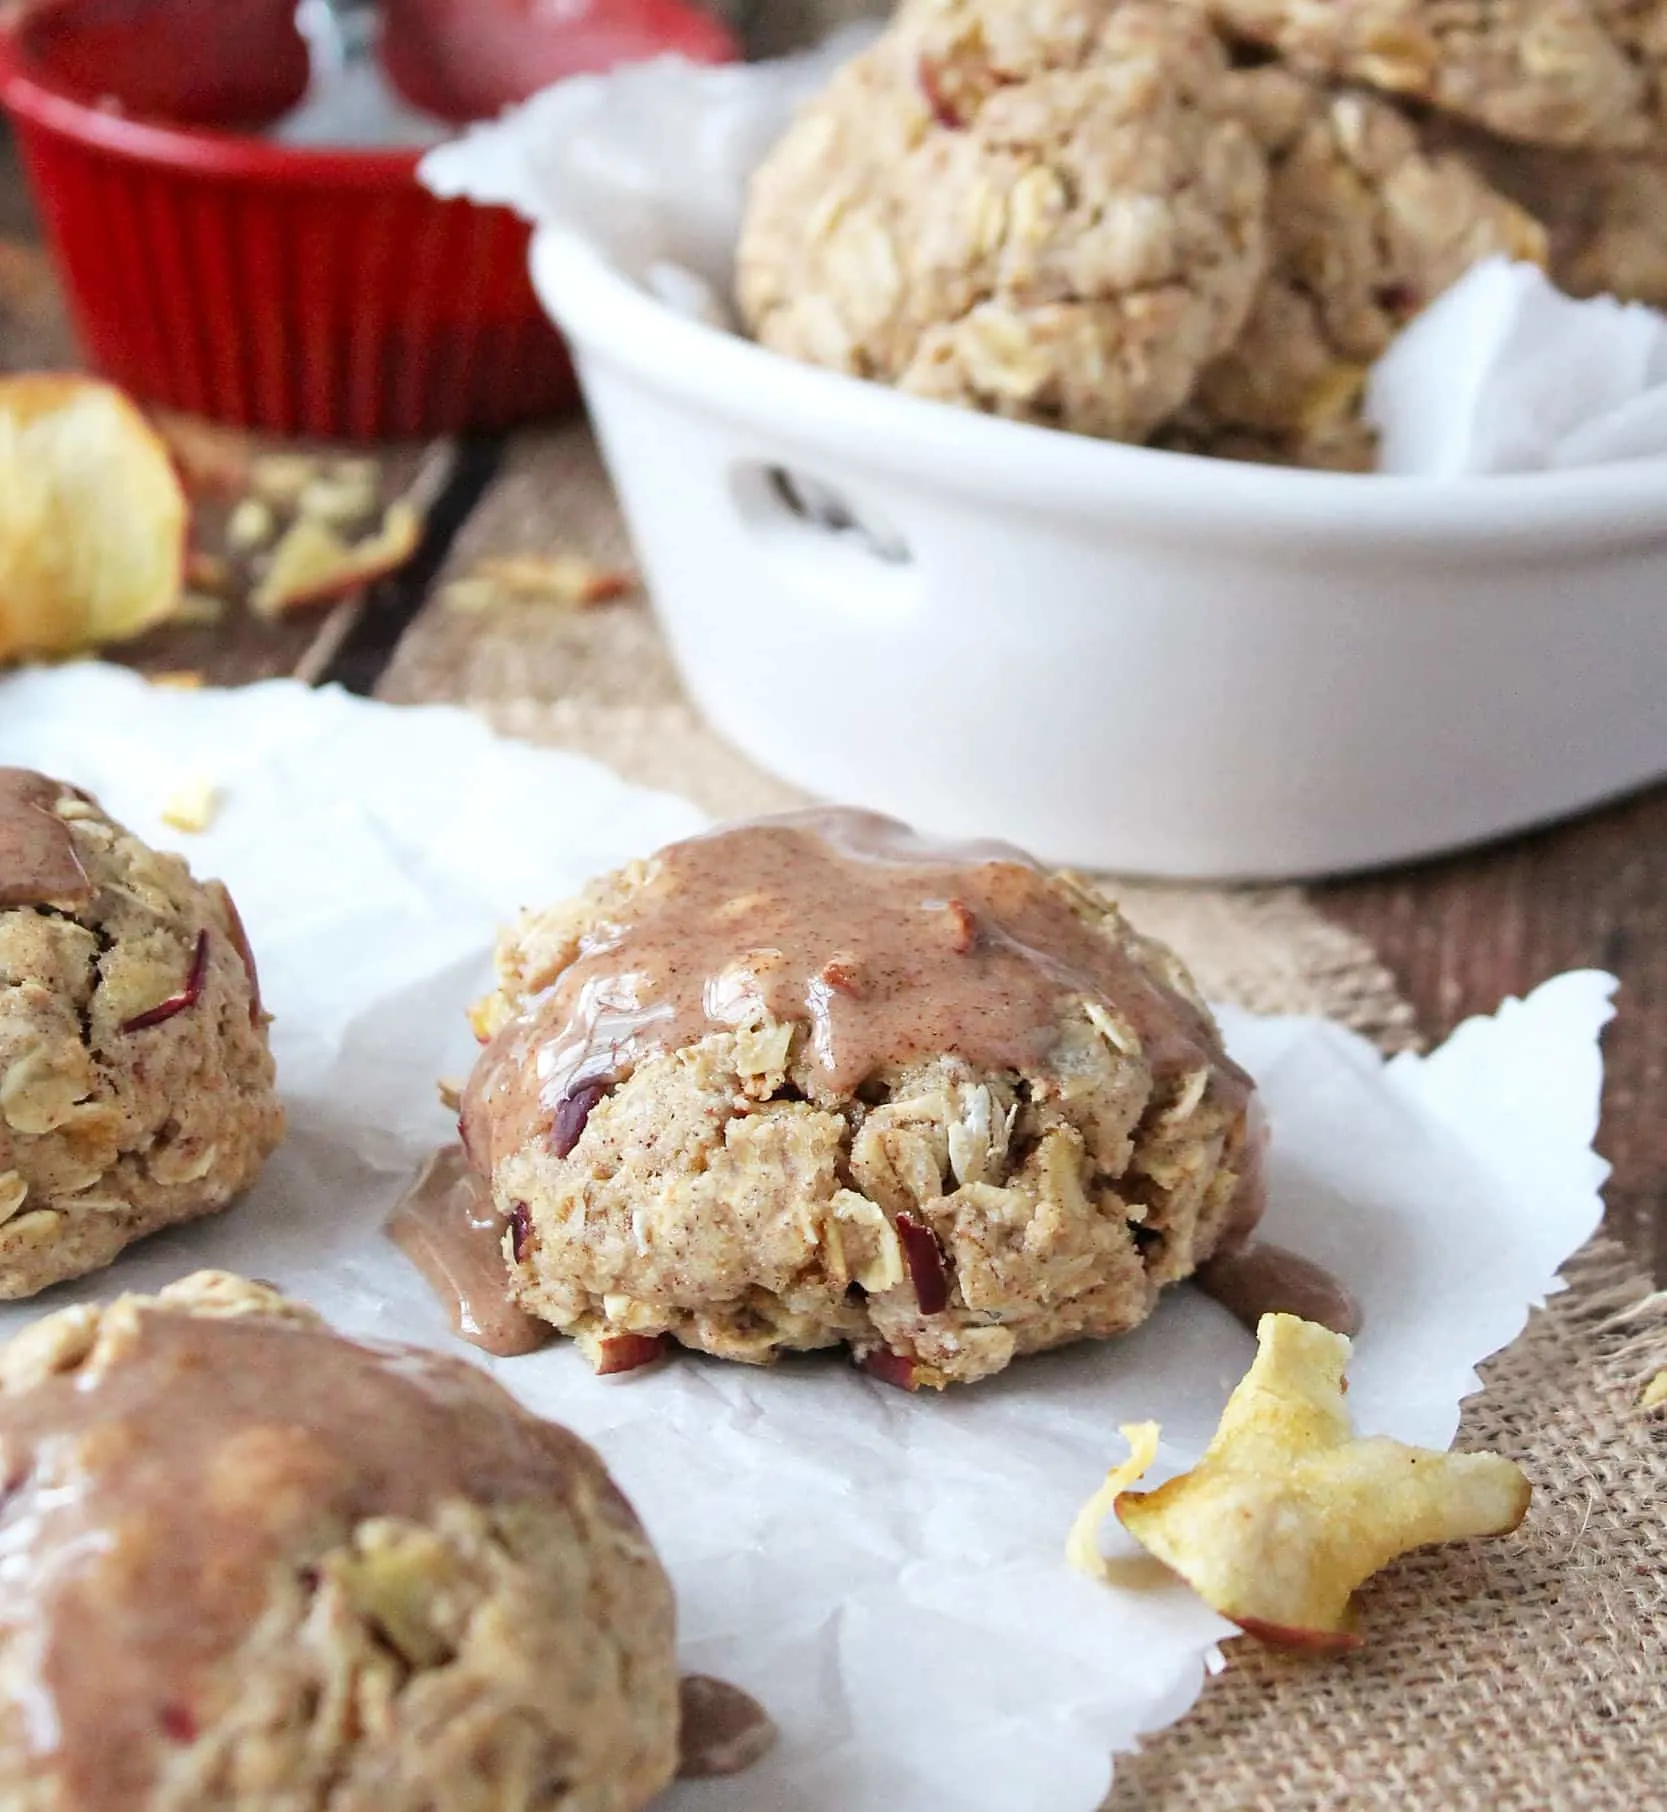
92,518
1288,1512
1082,1547
313,565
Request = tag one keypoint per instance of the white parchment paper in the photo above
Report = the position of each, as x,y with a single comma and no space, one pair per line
1504,373
886,1572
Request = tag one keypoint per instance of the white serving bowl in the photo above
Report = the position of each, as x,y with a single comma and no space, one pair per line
1120,658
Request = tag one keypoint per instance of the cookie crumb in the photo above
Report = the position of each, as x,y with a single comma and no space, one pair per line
198,610
208,572
569,581
192,805
251,526
345,496
280,478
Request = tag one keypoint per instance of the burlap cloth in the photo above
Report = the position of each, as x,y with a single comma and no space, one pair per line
1507,1677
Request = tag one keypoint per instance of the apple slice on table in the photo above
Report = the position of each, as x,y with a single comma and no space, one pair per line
1289,1511
93,518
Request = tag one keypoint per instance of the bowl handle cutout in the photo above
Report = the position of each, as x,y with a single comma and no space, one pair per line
778,499
828,551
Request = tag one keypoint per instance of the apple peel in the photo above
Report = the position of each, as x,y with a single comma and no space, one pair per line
924,1257
612,1354
1288,1512
313,565
895,1369
183,999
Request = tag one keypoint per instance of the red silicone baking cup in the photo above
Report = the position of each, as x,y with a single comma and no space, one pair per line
300,291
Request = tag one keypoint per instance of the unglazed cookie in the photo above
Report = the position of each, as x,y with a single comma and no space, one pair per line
136,1086
811,1081
1365,230
1620,247
1551,72
1040,211
1606,216
254,1567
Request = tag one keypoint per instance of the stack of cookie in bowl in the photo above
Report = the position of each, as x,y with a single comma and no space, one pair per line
1197,225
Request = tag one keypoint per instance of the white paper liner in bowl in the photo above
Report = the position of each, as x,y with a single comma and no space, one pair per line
885,1571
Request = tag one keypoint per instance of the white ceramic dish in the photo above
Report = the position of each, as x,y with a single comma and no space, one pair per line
1120,658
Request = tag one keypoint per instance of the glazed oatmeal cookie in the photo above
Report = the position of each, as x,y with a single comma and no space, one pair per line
1366,228
136,1086
812,1081
1038,211
261,1568
1552,72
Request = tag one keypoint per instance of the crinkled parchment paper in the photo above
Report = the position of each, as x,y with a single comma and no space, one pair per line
886,1572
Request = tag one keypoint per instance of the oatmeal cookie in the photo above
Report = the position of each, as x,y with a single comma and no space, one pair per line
1365,230
136,1087
812,1081
260,1568
1038,211
1552,72
1606,215
1612,238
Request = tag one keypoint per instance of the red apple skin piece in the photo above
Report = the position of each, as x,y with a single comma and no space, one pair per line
240,943
896,1369
927,1271
618,1353
573,1113
178,1723
931,85
188,996
1300,1641
606,586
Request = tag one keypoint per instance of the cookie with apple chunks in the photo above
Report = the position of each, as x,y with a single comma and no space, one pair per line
136,1084
813,1081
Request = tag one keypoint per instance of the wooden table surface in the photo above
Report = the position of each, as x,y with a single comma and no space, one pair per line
1458,934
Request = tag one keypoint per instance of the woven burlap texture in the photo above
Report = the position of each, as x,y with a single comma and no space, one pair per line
1507,1677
